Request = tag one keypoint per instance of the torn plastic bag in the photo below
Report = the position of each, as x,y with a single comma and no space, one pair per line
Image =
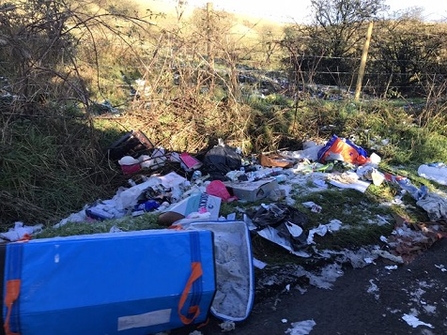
343,150
293,233
287,221
220,160
271,215
133,143
274,214
218,189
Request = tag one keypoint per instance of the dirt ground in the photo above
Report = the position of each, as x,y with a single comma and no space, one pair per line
375,300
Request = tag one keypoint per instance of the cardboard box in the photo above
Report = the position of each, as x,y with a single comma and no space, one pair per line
253,190
197,205
131,283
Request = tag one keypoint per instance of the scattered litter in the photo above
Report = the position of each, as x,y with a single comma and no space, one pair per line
155,161
196,206
388,255
115,229
441,267
435,205
381,220
133,143
309,152
231,217
370,173
284,321
218,189
374,159
414,321
358,258
434,171
373,289
227,326
312,206
188,162
253,190
408,240
103,210
279,223
20,231
327,277
321,230
271,160
369,260
348,180
196,332
259,264
429,309
73,217
406,185
391,267
272,234
301,328
220,160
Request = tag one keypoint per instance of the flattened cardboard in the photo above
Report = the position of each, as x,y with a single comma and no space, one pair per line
275,160
253,190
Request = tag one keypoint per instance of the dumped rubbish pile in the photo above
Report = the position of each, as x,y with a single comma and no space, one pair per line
186,192
180,185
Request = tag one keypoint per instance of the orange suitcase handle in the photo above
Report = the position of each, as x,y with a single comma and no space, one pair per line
196,273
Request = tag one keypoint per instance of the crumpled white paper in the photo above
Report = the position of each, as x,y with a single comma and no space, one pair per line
301,328
414,321
20,230
321,230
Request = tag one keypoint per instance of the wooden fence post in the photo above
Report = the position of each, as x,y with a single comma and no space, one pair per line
363,62
209,45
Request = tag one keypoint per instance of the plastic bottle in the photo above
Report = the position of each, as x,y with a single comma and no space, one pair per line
147,206
150,205
280,178
196,175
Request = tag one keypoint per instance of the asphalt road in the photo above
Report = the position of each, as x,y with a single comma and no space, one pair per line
379,299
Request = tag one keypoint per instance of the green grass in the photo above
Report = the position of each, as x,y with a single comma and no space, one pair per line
144,222
50,167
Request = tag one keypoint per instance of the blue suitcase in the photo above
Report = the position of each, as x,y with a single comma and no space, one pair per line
140,282
235,284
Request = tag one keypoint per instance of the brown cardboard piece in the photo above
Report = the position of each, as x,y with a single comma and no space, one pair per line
274,160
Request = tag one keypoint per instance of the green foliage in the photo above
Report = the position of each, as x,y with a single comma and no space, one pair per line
404,57
144,222
279,99
53,151
48,172
354,237
404,54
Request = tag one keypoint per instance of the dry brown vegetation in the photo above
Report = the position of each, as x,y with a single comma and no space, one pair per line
60,60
